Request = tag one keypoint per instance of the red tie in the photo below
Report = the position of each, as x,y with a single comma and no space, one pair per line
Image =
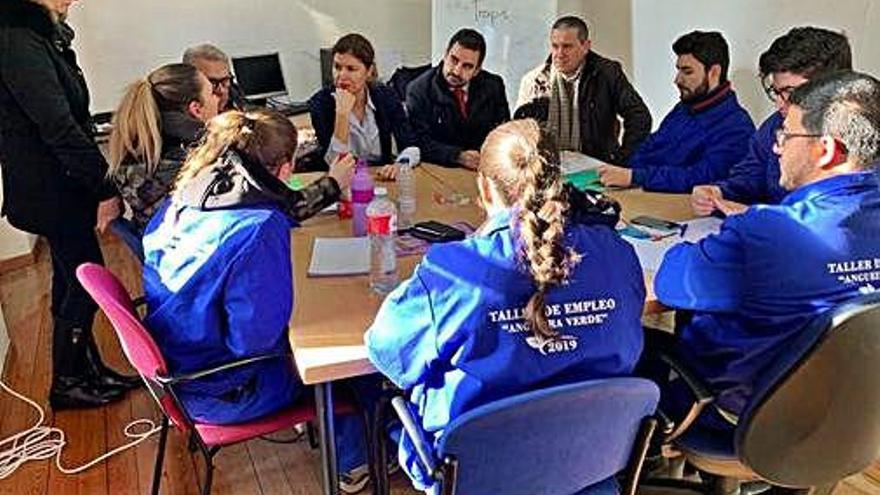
460,97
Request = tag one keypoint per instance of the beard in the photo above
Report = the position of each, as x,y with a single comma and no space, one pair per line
688,95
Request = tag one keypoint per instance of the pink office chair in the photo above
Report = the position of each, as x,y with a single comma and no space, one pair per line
144,355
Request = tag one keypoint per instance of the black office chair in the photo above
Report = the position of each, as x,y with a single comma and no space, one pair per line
401,78
814,417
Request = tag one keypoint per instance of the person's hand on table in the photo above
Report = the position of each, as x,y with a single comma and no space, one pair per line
342,171
729,207
108,210
611,175
703,199
387,172
469,159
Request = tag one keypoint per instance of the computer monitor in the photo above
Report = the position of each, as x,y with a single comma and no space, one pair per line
259,76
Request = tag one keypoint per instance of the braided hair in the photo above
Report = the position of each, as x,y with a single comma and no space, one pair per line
521,159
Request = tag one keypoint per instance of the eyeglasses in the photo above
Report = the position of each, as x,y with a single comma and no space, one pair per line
782,136
218,82
783,94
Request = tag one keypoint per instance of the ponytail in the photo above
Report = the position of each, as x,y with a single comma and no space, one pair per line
521,159
136,129
137,123
261,136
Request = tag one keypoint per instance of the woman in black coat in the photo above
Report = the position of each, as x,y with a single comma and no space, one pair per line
53,183
359,115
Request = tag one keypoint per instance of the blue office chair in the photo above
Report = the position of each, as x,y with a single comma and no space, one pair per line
813,419
125,230
556,441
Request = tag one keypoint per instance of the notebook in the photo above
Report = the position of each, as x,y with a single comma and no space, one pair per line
338,256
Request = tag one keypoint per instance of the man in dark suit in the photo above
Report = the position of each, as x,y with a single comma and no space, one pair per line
453,106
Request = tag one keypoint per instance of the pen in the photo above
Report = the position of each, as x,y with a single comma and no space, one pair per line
684,228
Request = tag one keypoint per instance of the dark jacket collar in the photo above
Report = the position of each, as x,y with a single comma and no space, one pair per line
27,14
585,208
711,98
233,182
179,129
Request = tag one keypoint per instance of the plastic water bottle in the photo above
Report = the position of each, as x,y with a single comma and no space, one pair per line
406,193
361,195
382,226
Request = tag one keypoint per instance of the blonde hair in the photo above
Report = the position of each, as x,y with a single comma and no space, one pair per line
137,124
522,161
260,136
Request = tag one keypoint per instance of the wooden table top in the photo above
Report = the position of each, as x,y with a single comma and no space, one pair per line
331,313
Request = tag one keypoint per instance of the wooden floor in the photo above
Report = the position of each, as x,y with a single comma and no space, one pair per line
257,467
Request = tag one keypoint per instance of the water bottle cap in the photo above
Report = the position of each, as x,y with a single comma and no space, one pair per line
381,191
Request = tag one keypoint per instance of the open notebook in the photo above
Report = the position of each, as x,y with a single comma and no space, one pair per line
339,256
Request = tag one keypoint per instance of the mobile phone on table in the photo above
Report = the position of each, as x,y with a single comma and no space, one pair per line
436,232
656,223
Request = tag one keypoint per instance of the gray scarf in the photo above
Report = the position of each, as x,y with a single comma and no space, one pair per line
563,118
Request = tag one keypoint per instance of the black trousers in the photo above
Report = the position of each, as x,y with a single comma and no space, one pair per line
73,244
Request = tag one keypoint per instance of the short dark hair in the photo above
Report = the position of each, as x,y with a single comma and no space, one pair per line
807,51
470,39
709,47
356,45
846,106
573,22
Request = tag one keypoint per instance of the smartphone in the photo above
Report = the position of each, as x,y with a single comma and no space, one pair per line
656,223
436,232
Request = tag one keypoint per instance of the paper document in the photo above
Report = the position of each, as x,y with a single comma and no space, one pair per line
574,162
334,256
651,252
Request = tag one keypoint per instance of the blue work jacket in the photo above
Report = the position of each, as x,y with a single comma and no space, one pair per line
755,179
767,274
695,144
454,334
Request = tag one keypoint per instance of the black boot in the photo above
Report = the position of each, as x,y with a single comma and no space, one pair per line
104,374
73,385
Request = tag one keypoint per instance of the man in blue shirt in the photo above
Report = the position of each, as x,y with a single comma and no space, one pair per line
791,60
704,134
773,269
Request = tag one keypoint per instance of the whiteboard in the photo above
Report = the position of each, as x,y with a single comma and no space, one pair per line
516,33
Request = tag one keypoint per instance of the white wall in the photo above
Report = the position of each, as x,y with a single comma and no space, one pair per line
120,40
749,27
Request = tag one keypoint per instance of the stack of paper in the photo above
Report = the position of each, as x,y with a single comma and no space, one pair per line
335,256
651,252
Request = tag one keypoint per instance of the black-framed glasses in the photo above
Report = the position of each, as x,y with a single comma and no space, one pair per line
782,136
774,93
218,82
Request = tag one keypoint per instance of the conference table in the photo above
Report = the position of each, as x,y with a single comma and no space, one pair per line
331,314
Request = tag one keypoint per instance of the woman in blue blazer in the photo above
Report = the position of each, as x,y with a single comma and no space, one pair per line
358,114
544,293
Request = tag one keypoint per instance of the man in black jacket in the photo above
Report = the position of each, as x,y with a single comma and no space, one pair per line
453,106
579,95
53,181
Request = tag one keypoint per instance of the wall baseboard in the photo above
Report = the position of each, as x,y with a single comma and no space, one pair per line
22,260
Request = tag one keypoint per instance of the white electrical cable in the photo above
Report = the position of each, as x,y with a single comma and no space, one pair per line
44,442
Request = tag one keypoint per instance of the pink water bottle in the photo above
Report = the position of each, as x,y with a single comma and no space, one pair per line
361,195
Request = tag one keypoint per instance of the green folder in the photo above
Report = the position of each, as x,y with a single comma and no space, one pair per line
295,183
586,180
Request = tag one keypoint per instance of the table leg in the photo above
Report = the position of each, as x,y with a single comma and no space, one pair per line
326,430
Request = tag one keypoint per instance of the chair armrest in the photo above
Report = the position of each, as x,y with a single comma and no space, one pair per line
415,433
195,375
702,394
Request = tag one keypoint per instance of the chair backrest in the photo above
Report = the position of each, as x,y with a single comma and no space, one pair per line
402,76
553,441
815,416
137,343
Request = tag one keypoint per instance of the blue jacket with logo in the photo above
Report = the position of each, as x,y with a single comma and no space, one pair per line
755,179
454,334
219,287
695,144
768,273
